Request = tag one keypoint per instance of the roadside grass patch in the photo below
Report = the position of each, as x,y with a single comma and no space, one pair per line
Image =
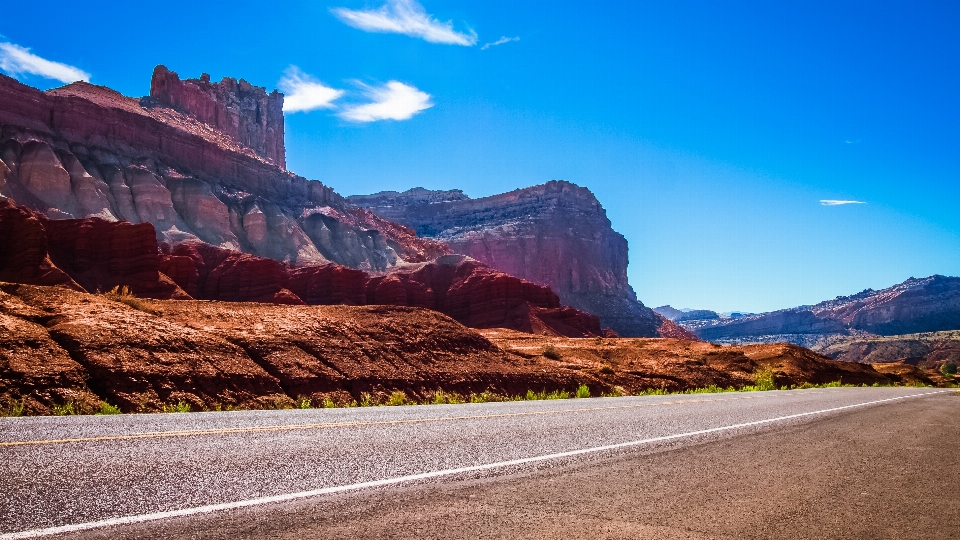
67,409
399,397
178,407
583,391
367,400
106,408
12,408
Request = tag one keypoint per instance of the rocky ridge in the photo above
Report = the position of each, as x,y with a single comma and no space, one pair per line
556,234
98,255
87,151
927,350
917,305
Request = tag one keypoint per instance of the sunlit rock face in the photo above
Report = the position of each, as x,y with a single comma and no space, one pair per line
199,161
556,234
237,109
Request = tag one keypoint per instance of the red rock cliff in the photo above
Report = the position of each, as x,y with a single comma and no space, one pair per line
556,234
236,108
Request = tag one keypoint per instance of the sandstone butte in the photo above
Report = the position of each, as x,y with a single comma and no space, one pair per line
556,234
141,354
204,161
199,161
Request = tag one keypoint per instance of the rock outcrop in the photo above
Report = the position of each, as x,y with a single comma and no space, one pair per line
237,109
556,234
86,151
96,255
917,305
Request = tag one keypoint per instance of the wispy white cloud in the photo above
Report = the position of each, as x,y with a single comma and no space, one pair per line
500,41
17,60
849,141
405,17
393,101
304,93
836,202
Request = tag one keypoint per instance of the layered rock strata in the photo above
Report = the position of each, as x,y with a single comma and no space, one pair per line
98,255
917,305
235,108
86,151
928,350
556,234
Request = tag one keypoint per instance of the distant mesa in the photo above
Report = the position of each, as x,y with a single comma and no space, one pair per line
683,315
928,304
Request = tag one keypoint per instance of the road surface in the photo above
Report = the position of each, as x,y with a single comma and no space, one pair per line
819,463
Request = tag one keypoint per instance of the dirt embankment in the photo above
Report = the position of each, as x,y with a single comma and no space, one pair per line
636,364
60,346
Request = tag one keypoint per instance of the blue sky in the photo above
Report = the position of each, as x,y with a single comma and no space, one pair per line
710,131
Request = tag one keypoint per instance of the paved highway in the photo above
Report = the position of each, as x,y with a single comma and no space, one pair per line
609,467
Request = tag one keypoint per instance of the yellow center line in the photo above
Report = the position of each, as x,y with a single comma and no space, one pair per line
328,425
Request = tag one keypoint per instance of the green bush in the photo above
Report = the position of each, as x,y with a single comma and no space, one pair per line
67,409
583,391
178,407
763,379
13,408
106,408
398,397
949,369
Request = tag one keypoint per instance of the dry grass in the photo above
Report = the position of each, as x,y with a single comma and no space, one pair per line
125,296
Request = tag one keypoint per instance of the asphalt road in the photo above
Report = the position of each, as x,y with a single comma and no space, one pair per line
825,463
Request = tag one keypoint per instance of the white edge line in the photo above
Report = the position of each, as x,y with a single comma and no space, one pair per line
140,518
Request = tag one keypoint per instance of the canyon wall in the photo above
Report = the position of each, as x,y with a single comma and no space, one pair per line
87,151
97,255
556,234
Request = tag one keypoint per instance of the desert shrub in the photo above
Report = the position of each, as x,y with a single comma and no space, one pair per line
106,408
367,400
949,369
13,408
552,353
606,370
328,403
617,391
178,407
67,409
583,391
125,296
763,379
398,397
